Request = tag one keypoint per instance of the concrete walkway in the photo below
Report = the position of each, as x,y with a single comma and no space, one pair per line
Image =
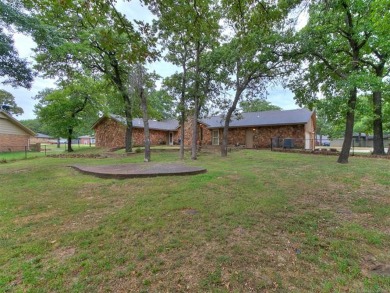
139,170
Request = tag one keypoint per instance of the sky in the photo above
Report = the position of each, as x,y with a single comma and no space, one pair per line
277,95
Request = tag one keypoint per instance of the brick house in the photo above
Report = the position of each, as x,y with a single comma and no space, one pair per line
14,136
110,132
252,130
261,129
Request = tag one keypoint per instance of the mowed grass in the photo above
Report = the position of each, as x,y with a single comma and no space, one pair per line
46,149
256,221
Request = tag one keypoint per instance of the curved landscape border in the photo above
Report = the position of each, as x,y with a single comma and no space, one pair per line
142,170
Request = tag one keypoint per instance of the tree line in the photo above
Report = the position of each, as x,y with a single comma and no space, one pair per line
227,54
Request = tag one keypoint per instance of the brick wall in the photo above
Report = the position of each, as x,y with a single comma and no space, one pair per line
204,134
13,142
261,135
111,134
157,137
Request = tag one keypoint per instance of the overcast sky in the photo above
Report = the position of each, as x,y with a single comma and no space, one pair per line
133,10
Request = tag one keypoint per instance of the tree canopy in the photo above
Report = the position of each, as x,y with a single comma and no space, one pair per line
15,70
8,99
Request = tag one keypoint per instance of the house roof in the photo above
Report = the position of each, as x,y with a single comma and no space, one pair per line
266,118
41,135
166,125
17,123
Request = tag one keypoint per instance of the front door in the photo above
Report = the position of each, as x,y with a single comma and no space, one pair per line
249,138
170,138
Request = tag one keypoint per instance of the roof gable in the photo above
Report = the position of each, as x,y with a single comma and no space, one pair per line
8,117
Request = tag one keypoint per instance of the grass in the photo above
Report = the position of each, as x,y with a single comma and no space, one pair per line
46,149
256,221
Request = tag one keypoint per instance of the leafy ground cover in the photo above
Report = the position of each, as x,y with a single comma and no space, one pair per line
257,221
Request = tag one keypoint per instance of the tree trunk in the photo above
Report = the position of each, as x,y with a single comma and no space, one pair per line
229,114
182,105
70,132
144,107
129,123
379,148
194,144
350,120
182,122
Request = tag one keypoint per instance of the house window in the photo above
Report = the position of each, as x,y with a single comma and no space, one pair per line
215,137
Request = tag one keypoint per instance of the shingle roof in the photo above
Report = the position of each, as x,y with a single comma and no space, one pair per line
266,118
166,125
41,135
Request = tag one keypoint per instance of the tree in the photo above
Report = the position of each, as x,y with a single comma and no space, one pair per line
161,105
34,124
14,69
331,47
253,56
188,37
8,99
140,80
93,36
65,109
257,105
376,59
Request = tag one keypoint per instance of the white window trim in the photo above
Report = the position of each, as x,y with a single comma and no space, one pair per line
215,137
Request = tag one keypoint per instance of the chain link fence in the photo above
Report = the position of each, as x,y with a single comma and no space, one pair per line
15,152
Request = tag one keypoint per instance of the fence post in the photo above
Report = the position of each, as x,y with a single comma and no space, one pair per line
45,150
353,147
271,144
25,152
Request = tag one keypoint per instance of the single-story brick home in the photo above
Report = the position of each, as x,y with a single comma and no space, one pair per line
86,139
110,132
252,130
14,136
41,138
261,129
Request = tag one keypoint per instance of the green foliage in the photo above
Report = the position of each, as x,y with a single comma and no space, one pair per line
35,125
74,106
8,99
14,69
161,105
257,105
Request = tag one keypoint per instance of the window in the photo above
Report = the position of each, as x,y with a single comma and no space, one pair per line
215,138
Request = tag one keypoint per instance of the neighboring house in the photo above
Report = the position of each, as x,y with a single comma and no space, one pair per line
14,136
86,140
322,140
254,130
41,138
358,140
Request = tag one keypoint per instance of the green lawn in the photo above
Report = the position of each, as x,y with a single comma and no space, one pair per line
256,221
46,149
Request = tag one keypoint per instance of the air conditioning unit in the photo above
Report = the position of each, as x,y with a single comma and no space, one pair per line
288,143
